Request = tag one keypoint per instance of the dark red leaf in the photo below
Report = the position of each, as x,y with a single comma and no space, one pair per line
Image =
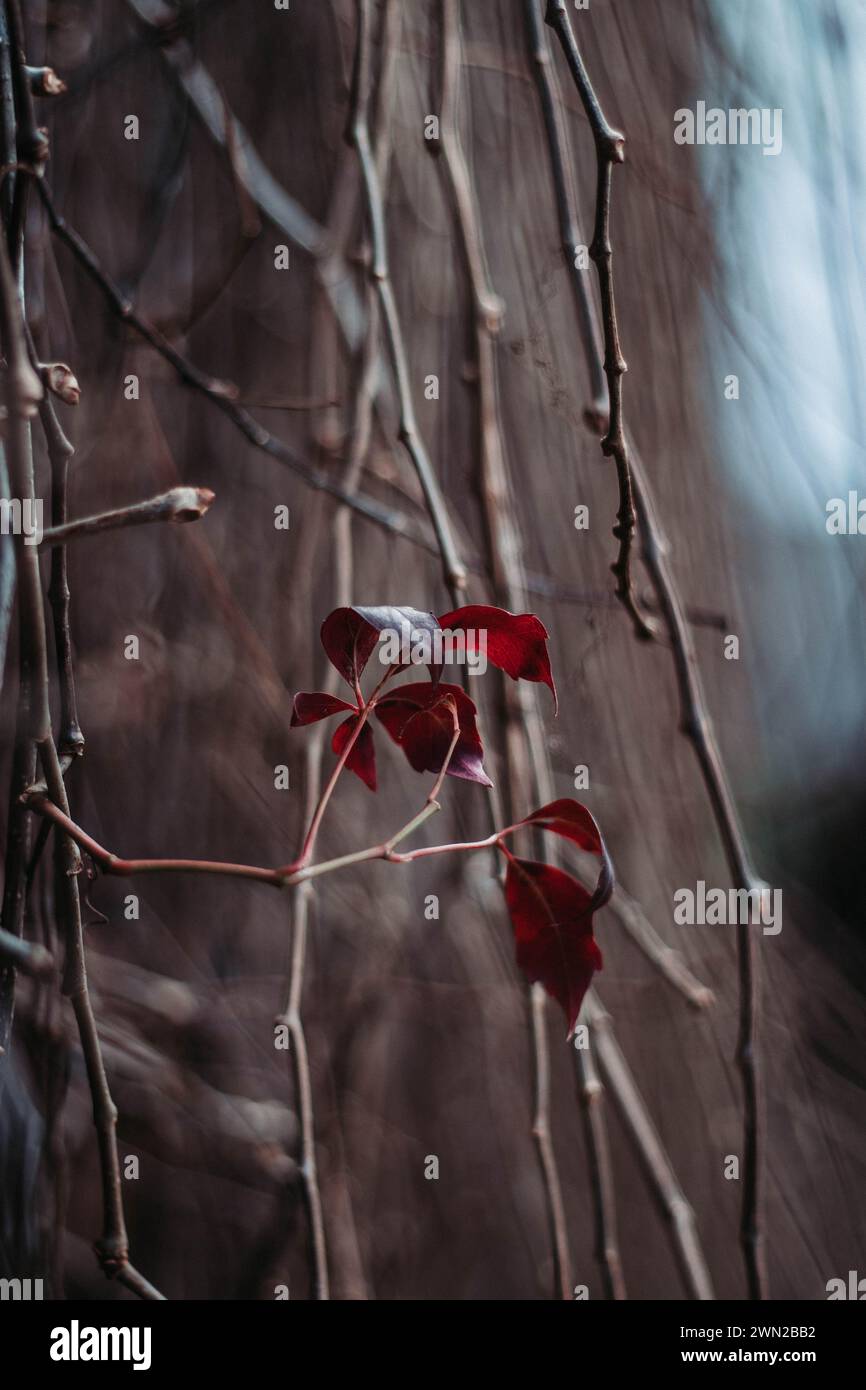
348,640
515,642
420,718
362,759
350,635
551,914
570,819
310,706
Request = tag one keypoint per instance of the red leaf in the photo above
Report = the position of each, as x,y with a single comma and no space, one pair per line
309,707
362,759
420,718
349,635
348,640
570,819
551,914
515,642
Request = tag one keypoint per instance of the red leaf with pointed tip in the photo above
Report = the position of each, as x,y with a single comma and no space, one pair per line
362,759
551,914
420,718
515,642
309,706
348,640
570,819
350,635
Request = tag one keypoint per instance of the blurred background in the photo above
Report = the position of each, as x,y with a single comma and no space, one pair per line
419,1033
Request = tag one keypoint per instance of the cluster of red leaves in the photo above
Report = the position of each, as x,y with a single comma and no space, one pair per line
551,912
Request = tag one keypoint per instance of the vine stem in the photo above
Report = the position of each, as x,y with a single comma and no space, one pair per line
696,724
610,150
23,392
287,876
358,135
366,709
526,754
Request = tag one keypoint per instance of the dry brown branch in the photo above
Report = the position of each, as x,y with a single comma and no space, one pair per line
23,392
359,440
650,1150
179,504
291,1017
218,393
60,451
601,1174
696,724
571,238
668,961
610,150
506,569
358,135
510,583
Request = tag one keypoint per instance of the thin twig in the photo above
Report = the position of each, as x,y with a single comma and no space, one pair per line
285,876
23,391
696,724
358,135
112,1248
24,761
650,1150
506,569
291,1017
601,1174
59,453
113,864
569,230
360,434
668,961
32,142
217,393
179,504
610,150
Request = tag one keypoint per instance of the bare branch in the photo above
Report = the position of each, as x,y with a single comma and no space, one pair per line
650,1150
32,142
505,562
179,504
291,1018
358,135
112,1248
696,724
216,392
598,410
60,452
113,864
18,844
610,150
668,961
601,1174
